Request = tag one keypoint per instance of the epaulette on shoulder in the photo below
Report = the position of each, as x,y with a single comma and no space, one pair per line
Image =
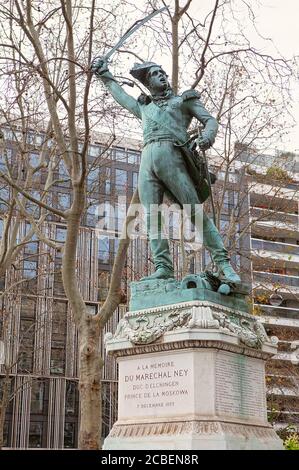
144,99
190,94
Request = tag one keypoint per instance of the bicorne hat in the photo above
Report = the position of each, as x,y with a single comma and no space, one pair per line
139,71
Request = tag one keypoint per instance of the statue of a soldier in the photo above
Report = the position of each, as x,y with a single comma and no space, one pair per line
165,120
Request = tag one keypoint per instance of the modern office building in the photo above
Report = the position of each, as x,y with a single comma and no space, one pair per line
272,241
40,336
36,322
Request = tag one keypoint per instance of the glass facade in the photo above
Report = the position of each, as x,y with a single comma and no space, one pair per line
44,410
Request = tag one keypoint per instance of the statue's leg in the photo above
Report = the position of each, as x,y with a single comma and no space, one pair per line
177,179
213,241
151,192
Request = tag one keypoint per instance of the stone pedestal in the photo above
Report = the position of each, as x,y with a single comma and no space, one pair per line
191,376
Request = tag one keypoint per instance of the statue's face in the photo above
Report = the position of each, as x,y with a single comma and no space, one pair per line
157,80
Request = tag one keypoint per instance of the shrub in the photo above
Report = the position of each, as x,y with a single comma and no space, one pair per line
292,441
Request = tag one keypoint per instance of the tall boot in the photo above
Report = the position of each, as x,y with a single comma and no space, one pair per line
159,247
162,260
214,243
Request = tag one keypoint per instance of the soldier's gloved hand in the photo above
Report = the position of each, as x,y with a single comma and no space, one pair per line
99,65
203,143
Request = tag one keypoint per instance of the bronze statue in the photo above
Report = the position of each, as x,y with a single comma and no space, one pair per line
168,156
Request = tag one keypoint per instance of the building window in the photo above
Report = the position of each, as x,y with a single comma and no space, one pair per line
120,215
104,251
50,143
69,435
2,164
8,133
91,213
34,159
105,180
31,138
120,154
224,226
228,200
58,285
134,180
71,414
57,359
4,199
94,150
26,345
5,157
35,434
33,208
6,439
9,155
207,258
93,178
120,180
62,175
71,398
62,171
28,307
91,309
7,161
37,397
133,158
39,139
30,269
32,246
58,340
64,201
60,234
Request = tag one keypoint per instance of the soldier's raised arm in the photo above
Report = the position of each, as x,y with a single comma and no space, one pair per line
100,68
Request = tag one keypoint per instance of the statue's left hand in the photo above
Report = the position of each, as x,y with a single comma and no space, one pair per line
203,143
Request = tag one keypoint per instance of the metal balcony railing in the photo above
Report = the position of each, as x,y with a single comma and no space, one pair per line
286,312
286,248
262,214
283,279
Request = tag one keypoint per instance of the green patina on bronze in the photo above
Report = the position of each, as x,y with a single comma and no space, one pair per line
155,293
167,165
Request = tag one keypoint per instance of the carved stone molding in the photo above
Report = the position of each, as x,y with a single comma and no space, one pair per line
201,428
192,344
149,325
202,317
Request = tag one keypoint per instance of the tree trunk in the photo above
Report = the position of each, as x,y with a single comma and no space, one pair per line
3,406
90,384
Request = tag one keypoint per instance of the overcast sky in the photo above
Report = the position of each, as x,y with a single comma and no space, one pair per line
277,20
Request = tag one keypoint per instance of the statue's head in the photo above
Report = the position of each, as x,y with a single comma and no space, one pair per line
152,76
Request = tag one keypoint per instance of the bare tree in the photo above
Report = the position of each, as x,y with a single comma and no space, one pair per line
48,49
53,60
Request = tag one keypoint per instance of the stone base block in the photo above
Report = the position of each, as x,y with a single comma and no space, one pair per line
194,435
191,376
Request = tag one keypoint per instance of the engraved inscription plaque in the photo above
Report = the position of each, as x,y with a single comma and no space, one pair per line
240,387
151,386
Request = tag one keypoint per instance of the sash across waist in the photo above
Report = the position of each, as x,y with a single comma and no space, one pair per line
160,139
